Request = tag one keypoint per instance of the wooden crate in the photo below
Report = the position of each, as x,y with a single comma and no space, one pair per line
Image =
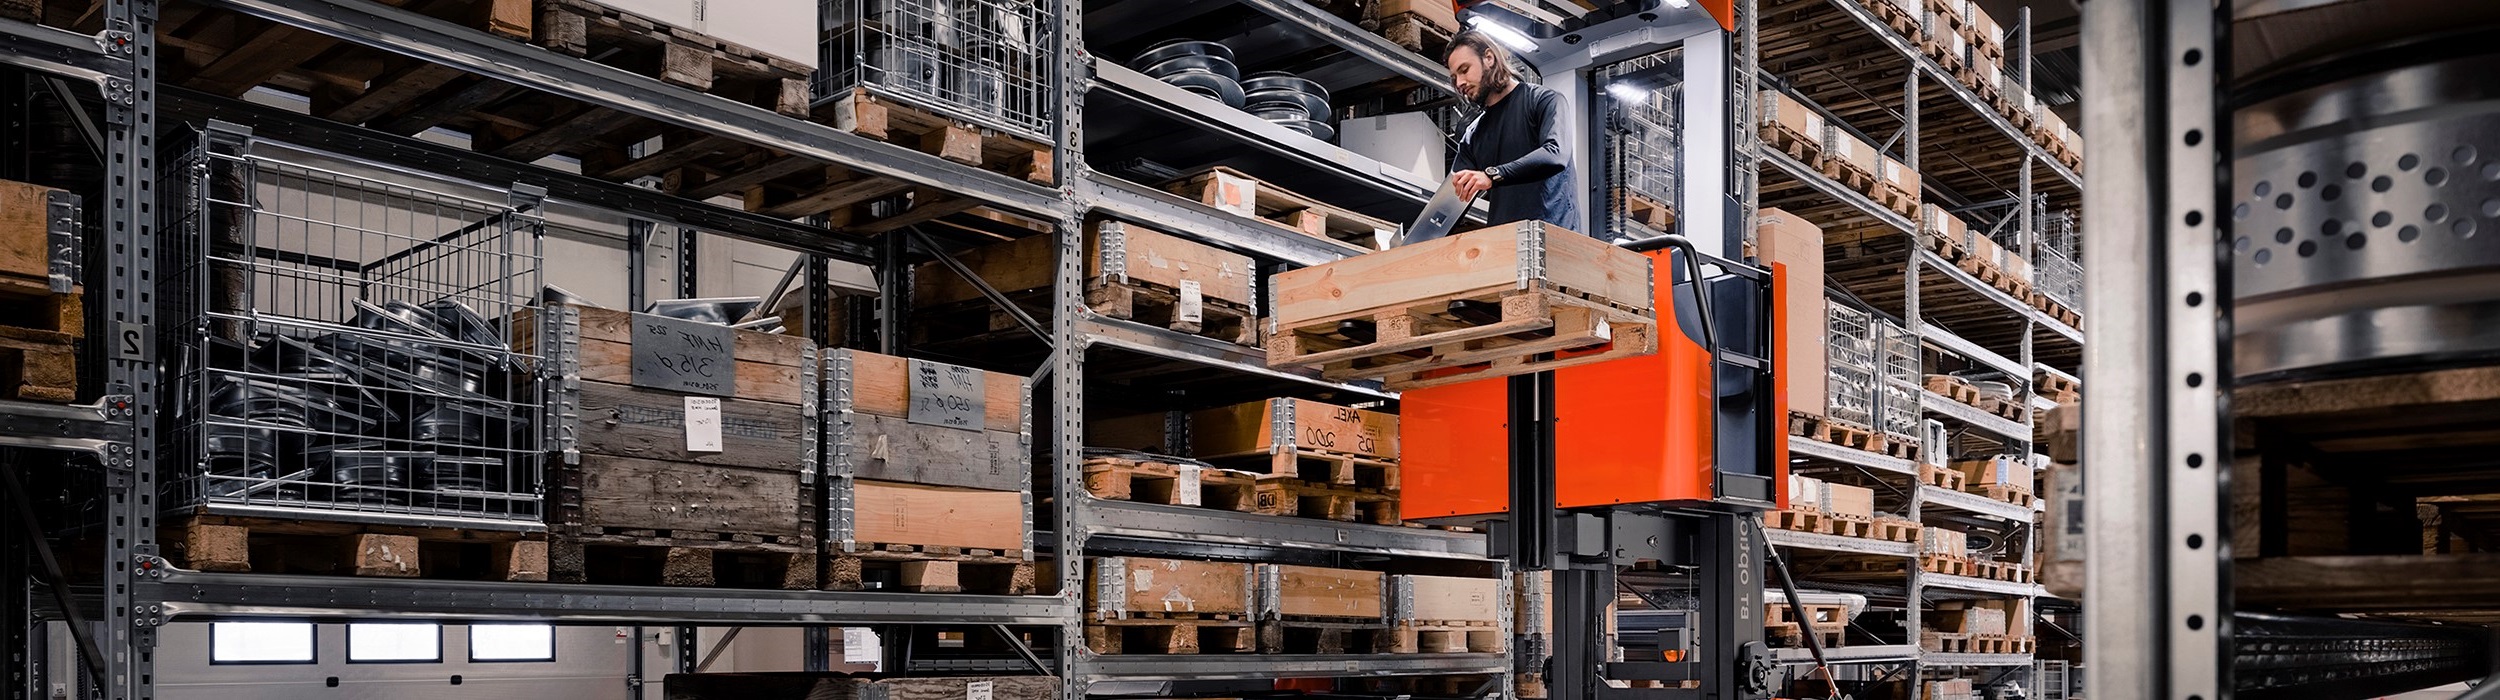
1791,128
1287,590
797,685
1125,587
41,311
1487,303
871,431
1242,195
1301,438
1446,614
1131,272
676,55
629,502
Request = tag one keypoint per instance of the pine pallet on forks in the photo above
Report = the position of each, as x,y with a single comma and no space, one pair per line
206,542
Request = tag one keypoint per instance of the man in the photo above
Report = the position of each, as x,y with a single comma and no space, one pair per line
1513,151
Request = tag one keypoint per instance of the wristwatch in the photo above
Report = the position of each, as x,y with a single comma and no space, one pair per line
1493,174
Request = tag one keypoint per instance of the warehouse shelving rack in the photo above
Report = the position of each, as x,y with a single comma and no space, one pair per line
142,592
1999,332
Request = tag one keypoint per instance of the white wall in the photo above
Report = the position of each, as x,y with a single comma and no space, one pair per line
591,664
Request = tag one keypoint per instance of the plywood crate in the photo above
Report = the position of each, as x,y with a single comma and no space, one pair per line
1791,127
1795,246
930,473
1287,590
1896,186
1447,614
1131,272
800,685
630,500
1493,302
41,316
1301,438
1848,159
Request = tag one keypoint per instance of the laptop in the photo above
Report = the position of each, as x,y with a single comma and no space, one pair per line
1438,217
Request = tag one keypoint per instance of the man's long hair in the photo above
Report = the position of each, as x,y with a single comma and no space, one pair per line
1497,73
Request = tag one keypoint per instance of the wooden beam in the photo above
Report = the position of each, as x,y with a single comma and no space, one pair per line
742,180
386,93
833,196
580,127
271,51
2369,583
927,204
425,116
669,156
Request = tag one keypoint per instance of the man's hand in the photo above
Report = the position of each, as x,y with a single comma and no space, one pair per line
1470,183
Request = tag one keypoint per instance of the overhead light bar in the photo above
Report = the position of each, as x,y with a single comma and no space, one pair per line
1630,94
1513,38
1679,4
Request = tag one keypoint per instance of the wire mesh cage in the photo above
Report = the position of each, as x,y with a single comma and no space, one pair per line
1851,365
1643,143
2056,273
341,345
1897,412
987,62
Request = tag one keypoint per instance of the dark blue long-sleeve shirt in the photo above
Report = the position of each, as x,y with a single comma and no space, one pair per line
1523,136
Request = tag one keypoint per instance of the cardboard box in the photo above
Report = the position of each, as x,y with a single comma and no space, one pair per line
1839,143
1999,470
1898,175
1937,540
1793,116
1935,221
1843,499
1982,26
1805,493
1797,245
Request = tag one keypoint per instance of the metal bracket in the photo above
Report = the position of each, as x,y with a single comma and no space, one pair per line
62,219
809,409
561,342
1111,250
1531,254
840,517
1271,593
1110,587
1280,426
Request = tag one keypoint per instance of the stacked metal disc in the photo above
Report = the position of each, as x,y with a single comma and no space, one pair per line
1202,67
1290,101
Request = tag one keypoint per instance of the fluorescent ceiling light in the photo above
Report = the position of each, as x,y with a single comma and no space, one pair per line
1679,4
1506,35
1626,92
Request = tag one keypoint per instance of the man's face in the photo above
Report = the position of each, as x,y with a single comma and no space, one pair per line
1468,76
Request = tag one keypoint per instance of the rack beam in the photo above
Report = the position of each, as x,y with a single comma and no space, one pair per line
195,595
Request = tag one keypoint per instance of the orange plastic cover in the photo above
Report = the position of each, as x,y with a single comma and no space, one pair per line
1635,430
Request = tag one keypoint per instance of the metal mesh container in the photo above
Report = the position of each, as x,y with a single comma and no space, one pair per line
1896,410
1851,366
987,62
2057,273
339,345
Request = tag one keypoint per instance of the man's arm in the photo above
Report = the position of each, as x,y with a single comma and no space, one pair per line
1547,159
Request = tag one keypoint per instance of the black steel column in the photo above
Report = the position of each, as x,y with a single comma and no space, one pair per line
687,241
1734,663
1532,509
1581,598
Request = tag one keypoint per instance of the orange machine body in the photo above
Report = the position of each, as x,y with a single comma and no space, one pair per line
1634,430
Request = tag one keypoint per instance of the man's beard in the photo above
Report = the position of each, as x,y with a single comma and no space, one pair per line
1485,90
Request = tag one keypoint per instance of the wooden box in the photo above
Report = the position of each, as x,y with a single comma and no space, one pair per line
625,473
884,420
1843,499
1288,591
1283,428
798,685
1444,599
1121,587
1477,305
1846,150
923,516
1786,121
1440,13
41,316
1131,272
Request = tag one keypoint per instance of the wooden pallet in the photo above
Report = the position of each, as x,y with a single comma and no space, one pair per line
2047,384
205,542
1900,201
1819,614
681,558
1276,495
1848,174
1297,634
1806,148
1446,637
884,118
1944,246
1853,436
39,334
1164,308
1941,477
1646,210
1952,387
1170,483
1852,525
1412,32
929,569
1798,520
1787,634
1935,642
675,55
1895,530
2001,408
1432,342
1901,446
2009,493
1945,564
1172,633
1895,16
1316,465
1234,191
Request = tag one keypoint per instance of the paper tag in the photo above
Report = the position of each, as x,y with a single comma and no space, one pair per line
977,690
702,424
860,645
1192,306
1605,331
1186,488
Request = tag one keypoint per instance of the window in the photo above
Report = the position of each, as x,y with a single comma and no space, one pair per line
394,642
512,643
260,643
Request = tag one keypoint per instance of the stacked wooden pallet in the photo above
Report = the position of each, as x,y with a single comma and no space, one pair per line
42,318
1422,26
2006,477
1283,456
1785,625
1239,194
1131,272
1489,303
1962,391
1821,429
1818,506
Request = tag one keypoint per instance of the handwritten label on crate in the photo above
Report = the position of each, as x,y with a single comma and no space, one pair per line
703,424
947,395
681,355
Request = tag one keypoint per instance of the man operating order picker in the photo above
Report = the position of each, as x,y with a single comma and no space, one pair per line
1513,151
